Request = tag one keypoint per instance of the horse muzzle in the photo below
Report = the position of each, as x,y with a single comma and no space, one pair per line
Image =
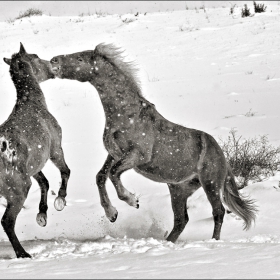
56,70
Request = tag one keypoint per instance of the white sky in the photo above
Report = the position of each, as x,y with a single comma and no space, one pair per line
11,9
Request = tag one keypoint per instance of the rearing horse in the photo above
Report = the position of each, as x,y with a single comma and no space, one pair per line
28,138
137,136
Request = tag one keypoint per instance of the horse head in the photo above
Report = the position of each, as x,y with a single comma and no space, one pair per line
41,68
77,66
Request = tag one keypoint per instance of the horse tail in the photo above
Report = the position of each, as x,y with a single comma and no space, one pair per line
242,206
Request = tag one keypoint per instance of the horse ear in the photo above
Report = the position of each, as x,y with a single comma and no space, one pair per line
22,49
7,60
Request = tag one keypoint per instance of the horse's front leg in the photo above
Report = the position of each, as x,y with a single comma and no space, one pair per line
128,161
101,177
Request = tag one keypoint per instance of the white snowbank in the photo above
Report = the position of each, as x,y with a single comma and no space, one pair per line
195,78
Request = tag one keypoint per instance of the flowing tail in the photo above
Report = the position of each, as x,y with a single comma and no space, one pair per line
243,207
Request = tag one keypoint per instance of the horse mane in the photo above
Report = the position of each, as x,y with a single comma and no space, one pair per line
114,55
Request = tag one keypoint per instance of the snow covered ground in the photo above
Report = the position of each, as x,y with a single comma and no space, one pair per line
201,70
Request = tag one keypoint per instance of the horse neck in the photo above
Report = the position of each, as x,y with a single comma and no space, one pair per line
118,93
28,90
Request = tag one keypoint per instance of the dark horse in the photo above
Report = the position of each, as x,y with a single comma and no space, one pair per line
28,138
137,136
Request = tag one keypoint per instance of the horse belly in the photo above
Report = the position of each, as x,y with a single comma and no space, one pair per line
35,166
169,168
37,158
34,152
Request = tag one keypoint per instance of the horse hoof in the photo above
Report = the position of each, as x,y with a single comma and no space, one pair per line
113,219
41,219
23,255
59,203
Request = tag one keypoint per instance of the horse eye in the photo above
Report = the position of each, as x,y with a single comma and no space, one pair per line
80,59
36,56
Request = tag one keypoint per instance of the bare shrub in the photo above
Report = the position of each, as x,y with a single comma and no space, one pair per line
100,13
78,20
245,12
232,9
29,13
128,18
153,78
10,20
259,8
251,159
188,27
250,113
202,8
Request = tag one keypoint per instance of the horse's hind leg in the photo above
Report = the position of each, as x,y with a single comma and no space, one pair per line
57,157
128,161
179,195
212,183
43,206
14,205
101,177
